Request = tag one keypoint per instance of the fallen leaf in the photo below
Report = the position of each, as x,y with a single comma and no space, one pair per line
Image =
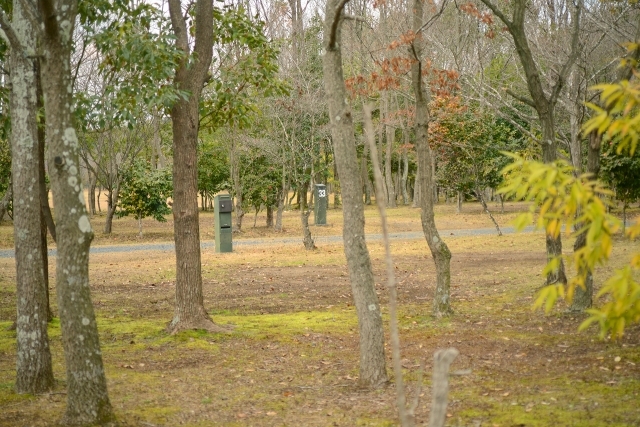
271,413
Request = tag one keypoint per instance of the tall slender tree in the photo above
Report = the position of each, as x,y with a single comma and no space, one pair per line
439,249
34,372
191,75
87,398
372,358
544,102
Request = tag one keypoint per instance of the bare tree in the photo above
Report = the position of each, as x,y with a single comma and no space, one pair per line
372,359
544,102
425,179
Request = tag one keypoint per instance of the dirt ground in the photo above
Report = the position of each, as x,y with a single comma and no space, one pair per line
292,358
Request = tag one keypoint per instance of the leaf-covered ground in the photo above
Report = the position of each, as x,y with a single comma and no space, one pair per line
292,358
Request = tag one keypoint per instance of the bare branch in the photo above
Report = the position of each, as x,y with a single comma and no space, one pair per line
575,50
498,13
8,34
333,34
522,99
354,18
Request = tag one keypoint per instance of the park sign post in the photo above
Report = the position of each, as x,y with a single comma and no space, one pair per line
320,206
222,219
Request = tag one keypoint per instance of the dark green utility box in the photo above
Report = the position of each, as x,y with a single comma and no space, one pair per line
320,206
222,218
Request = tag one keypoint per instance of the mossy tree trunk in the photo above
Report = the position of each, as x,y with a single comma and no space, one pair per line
87,398
34,372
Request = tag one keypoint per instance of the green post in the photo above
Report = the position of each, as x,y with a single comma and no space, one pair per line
222,217
320,206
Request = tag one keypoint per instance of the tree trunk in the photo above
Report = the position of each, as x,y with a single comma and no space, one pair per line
46,218
190,75
237,187
486,209
140,225
405,168
5,201
364,167
439,250
269,216
544,102
87,399
442,360
282,197
34,372
459,198
390,136
93,181
372,358
416,188
309,244
583,298
553,244
112,204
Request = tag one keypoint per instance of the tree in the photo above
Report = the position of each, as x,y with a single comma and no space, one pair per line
372,358
34,372
439,249
190,75
544,102
87,398
145,192
582,200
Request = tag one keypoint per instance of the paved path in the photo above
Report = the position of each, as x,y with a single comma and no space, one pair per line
169,247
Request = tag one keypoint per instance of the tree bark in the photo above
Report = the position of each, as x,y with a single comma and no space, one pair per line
87,399
390,134
112,204
439,250
237,186
416,188
191,75
4,202
364,167
372,357
269,216
583,297
405,167
34,373
282,198
46,218
308,242
442,360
